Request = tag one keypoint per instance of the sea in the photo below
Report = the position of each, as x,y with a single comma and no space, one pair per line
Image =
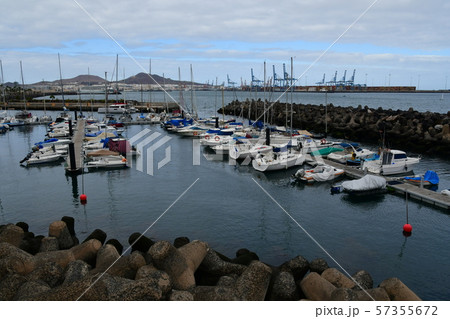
181,189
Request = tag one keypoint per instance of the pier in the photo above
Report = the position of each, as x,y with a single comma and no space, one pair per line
413,191
74,163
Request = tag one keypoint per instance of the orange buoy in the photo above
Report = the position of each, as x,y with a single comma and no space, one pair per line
83,198
407,228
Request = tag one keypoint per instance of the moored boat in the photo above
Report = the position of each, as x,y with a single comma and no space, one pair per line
320,173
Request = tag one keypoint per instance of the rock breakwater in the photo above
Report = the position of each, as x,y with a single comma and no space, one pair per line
59,267
421,132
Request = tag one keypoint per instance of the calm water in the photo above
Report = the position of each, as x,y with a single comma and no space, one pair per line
227,208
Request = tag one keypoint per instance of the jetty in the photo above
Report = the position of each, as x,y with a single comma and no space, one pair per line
413,191
74,163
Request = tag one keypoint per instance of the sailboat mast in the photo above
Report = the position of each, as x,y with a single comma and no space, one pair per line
3,85
264,94
194,108
292,91
106,94
61,81
23,88
117,78
149,82
164,89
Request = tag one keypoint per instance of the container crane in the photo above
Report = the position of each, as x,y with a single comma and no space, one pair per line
323,80
255,81
230,83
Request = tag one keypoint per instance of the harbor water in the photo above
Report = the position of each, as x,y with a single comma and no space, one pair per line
202,196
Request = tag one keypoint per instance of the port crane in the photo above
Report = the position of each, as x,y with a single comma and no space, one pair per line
276,80
287,79
321,82
230,83
255,82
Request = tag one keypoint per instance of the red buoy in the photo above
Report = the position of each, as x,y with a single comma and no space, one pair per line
83,198
407,228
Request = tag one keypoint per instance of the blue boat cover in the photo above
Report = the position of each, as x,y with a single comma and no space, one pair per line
430,176
50,140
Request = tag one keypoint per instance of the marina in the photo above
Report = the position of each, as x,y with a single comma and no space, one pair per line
363,233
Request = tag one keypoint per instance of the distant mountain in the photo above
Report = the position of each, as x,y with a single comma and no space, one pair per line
80,79
144,78
140,78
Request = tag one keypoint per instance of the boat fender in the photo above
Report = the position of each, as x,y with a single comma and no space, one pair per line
124,160
217,138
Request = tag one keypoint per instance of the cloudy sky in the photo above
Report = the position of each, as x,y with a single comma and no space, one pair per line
402,42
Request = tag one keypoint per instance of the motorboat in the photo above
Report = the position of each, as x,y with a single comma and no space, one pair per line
105,159
320,173
391,162
429,179
366,185
117,108
192,131
41,157
277,160
350,153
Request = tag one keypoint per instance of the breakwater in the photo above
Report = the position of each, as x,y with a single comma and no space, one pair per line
421,132
59,267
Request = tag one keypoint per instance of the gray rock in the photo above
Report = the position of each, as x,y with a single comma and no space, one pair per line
343,294
138,290
11,234
253,283
226,281
213,264
76,270
181,295
318,265
316,288
284,287
298,266
126,266
214,293
31,289
338,279
50,273
49,244
59,230
377,294
9,285
364,279
398,291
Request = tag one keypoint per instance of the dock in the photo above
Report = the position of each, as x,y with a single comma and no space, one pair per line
75,159
415,192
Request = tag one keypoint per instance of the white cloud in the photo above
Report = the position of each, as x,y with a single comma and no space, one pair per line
406,36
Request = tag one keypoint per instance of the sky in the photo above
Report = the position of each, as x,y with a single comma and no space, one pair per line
397,43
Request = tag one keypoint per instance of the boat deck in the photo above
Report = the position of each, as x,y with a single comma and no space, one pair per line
413,191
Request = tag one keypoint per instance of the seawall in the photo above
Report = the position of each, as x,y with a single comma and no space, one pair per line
60,267
421,132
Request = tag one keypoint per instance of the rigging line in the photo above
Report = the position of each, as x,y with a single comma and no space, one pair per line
126,52
320,56
126,250
312,238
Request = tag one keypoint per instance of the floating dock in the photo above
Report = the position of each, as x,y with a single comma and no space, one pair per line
413,191
74,163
